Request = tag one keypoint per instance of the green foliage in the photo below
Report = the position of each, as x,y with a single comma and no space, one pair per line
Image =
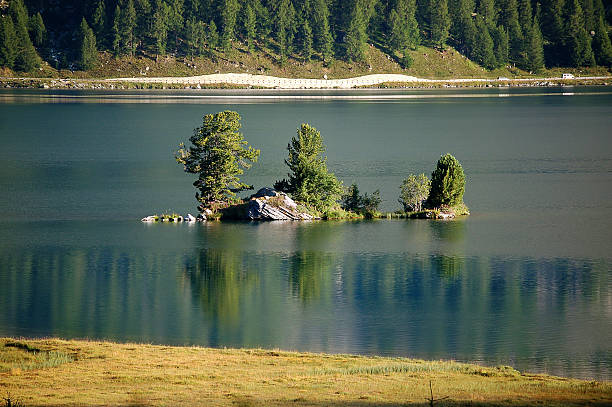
218,154
37,30
127,21
195,36
249,20
115,32
447,183
483,52
323,40
534,47
88,54
8,42
576,38
26,58
99,22
309,181
413,192
212,35
160,28
356,33
440,22
365,204
501,45
285,27
229,15
304,34
601,44
403,26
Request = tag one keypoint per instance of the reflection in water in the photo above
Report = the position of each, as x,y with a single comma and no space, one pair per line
551,315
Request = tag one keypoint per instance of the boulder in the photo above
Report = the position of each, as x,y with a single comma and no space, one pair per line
149,219
190,218
268,204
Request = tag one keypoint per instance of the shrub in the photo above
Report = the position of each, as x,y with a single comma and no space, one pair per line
413,192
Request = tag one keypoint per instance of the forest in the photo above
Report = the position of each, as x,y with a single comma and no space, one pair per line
527,34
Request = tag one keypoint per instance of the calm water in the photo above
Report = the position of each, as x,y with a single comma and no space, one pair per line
526,280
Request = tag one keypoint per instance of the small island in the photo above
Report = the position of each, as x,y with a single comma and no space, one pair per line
219,154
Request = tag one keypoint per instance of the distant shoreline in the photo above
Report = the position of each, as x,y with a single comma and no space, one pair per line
250,81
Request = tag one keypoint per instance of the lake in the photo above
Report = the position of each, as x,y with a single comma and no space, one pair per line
526,280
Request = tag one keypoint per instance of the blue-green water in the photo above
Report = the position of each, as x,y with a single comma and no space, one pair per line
525,280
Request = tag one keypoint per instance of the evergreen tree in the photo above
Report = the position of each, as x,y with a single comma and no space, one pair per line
553,32
99,22
26,57
250,26
229,14
440,22
323,41
115,31
264,23
590,22
486,10
509,18
212,35
309,181
37,30
218,154
501,45
483,46
175,21
447,183
576,38
356,33
304,36
601,44
404,33
160,28
128,24
463,29
194,35
535,46
8,42
88,54
143,20
285,25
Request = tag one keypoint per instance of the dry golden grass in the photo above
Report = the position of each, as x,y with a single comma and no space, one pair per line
103,373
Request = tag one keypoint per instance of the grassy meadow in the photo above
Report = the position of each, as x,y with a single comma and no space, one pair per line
57,372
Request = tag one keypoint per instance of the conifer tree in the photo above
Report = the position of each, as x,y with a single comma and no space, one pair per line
26,57
440,22
88,54
463,29
509,18
576,38
486,10
229,14
483,46
116,32
99,22
553,32
8,42
323,41
250,26
601,44
128,24
501,45
285,25
212,35
304,37
403,26
160,28
356,33
264,23
535,47
37,30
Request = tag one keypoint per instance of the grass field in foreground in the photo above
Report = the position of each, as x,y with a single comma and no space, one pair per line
59,372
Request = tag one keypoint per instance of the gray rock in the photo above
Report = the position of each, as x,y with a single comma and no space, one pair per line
274,205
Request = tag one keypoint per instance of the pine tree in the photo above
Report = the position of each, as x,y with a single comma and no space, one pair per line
160,28
356,33
576,38
483,46
88,54
323,41
601,45
37,30
212,35
128,24
463,29
304,37
553,32
250,26
535,47
501,45
264,22
440,22
99,22
229,14
403,25
8,42
509,18
115,31
285,25
26,57
487,11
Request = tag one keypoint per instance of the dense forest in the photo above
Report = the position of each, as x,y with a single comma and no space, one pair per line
493,33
